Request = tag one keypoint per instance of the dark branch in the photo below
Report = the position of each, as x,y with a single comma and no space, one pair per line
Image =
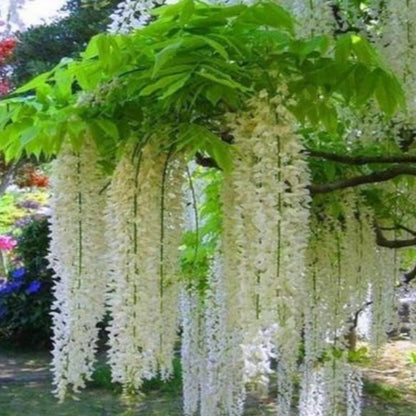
205,161
409,276
374,177
399,227
343,26
362,160
382,241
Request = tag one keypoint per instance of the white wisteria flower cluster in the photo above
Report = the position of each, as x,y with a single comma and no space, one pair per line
316,16
192,350
233,333
396,40
332,388
76,255
265,233
144,229
135,14
348,273
132,14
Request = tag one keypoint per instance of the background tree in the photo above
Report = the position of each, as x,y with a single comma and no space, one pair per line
40,48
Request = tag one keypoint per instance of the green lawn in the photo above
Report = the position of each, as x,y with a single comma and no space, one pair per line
28,392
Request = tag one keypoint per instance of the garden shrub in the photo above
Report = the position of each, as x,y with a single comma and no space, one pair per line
26,296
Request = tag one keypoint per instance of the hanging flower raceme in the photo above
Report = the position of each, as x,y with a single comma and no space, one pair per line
347,272
76,255
144,229
132,14
201,312
265,233
342,250
192,350
223,387
316,16
396,39
331,388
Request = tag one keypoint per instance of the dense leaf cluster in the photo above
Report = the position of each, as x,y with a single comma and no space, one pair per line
179,75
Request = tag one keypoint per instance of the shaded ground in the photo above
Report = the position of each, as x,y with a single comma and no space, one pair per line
391,381
394,367
25,389
23,368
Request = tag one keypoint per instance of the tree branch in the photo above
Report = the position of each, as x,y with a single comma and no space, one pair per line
361,160
399,227
374,177
409,276
205,161
382,241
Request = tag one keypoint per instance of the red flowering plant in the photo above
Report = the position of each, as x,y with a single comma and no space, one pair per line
7,244
7,46
31,176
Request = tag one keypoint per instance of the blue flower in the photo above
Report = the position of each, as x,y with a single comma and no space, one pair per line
22,222
3,312
10,287
33,287
30,204
19,273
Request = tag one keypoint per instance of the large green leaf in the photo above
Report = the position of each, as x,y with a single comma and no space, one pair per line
267,14
162,83
164,56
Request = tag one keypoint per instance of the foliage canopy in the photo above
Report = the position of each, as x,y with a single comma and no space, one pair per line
183,72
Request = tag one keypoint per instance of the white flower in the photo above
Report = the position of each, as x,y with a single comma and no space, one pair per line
144,228
76,255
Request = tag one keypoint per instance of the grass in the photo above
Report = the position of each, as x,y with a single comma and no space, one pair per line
102,397
383,392
37,400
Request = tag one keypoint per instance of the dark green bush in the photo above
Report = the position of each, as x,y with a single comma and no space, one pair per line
25,299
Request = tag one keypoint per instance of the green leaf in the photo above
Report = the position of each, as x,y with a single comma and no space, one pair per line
165,55
343,48
216,46
214,94
365,84
214,146
34,83
328,117
28,135
207,72
187,11
44,92
108,127
364,51
175,86
92,49
76,129
103,49
388,91
268,14
63,84
161,83
318,43
169,9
